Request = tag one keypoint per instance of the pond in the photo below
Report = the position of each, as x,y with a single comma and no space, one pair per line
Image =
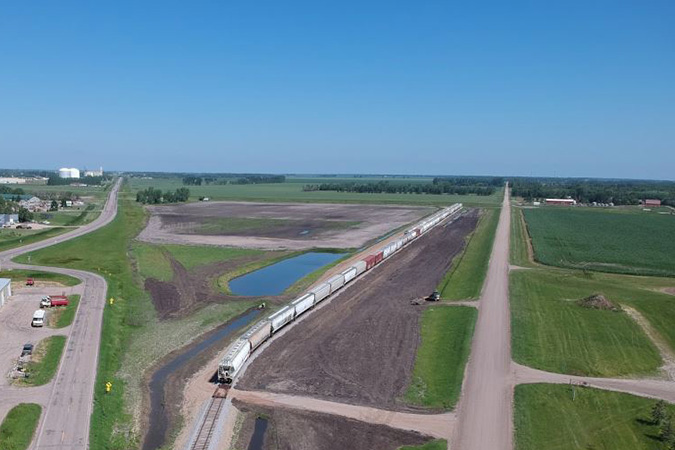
275,279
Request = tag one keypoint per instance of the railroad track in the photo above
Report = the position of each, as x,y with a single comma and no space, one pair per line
206,429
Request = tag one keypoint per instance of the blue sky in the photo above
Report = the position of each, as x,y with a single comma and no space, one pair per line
573,88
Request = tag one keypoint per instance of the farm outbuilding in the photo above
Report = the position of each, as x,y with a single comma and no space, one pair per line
5,290
652,202
561,201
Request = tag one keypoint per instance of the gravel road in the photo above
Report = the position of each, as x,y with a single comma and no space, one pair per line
68,400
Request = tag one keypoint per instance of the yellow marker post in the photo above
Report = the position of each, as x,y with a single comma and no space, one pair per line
108,387
112,301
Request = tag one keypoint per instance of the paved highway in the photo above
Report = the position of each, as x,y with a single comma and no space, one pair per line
68,399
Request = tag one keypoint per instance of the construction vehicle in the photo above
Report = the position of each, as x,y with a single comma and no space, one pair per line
53,300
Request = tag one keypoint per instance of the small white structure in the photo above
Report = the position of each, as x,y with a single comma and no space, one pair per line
69,173
94,173
5,290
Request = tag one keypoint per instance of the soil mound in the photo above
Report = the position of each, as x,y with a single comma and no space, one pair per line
599,301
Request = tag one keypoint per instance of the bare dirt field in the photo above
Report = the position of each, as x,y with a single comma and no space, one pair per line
293,226
361,348
302,430
190,289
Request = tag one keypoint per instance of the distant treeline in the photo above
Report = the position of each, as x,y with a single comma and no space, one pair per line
9,190
154,196
191,180
619,192
458,186
55,180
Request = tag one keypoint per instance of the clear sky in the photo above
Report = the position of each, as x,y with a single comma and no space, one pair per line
551,88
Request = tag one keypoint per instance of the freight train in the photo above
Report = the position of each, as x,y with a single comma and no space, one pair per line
240,350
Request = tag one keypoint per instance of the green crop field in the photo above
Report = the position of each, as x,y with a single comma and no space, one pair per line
46,359
291,191
623,241
441,358
552,332
553,417
18,427
465,279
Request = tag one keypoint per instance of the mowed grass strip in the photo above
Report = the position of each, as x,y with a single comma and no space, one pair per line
20,275
63,316
630,242
465,280
554,417
551,332
45,361
519,243
441,358
18,427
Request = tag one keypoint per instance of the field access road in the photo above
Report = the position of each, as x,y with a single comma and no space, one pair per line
485,413
68,400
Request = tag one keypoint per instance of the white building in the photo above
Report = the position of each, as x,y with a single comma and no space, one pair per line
94,173
12,180
5,290
69,173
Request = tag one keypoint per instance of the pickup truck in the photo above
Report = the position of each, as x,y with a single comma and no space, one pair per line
53,300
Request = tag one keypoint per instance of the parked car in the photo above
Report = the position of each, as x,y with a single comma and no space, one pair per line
27,350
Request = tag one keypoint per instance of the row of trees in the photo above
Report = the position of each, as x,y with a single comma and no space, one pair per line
662,417
154,196
192,180
379,187
601,191
55,180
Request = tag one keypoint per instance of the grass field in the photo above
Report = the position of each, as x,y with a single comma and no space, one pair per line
62,317
11,238
441,358
519,251
18,427
621,241
21,275
551,332
465,279
437,444
547,417
291,191
45,361
70,217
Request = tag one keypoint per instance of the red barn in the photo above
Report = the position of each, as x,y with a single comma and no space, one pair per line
652,202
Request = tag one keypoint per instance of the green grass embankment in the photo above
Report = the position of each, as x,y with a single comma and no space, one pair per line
519,243
18,427
45,361
10,238
20,275
554,417
465,279
441,358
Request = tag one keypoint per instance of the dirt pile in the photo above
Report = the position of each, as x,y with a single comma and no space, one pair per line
361,347
302,430
598,301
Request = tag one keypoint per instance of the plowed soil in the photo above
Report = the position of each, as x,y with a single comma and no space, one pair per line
301,430
361,348
190,288
276,226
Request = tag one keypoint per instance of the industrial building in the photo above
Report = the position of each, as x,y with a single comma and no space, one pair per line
94,173
561,201
5,290
69,173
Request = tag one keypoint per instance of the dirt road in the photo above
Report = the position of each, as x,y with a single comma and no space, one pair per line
485,409
68,400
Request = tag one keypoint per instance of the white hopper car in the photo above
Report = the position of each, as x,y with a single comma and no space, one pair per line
241,349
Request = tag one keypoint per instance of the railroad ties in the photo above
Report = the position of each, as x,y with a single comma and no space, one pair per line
207,428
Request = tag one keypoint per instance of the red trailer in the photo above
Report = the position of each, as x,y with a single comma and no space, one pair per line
59,301
54,300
